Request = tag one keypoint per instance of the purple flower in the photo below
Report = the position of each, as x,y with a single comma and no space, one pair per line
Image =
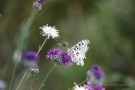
66,59
41,1
59,56
30,58
89,86
95,75
96,71
99,88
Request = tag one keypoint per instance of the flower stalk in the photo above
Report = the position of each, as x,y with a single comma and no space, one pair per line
27,26
46,77
40,47
22,79
32,78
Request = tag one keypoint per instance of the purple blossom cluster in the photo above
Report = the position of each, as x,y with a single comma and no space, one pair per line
59,56
95,78
30,59
95,74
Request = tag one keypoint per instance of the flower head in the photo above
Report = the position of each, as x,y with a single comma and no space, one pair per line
49,32
76,87
34,69
99,88
59,56
95,75
30,58
37,5
89,85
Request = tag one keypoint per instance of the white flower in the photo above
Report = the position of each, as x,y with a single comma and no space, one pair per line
76,87
49,31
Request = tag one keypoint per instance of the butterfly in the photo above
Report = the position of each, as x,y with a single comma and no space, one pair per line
64,44
78,51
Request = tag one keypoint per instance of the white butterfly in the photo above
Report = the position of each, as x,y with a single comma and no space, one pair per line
78,51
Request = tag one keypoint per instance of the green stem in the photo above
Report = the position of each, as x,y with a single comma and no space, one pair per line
31,82
79,83
46,77
40,48
27,26
22,79
82,82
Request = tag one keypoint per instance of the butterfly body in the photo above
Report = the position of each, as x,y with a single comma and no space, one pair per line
64,44
78,51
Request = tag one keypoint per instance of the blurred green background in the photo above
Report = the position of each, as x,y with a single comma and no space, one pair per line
108,24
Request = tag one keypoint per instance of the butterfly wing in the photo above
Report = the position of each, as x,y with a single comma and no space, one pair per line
78,51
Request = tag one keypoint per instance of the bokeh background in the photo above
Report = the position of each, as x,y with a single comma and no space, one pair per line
108,24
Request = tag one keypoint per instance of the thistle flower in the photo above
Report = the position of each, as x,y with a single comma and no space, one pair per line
30,58
37,5
89,86
76,87
2,85
59,56
99,88
95,75
49,32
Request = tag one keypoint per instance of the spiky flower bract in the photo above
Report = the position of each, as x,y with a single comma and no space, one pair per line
59,56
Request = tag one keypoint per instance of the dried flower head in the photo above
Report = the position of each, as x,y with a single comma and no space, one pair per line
76,87
59,56
49,32
30,58
34,70
95,75
37,5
